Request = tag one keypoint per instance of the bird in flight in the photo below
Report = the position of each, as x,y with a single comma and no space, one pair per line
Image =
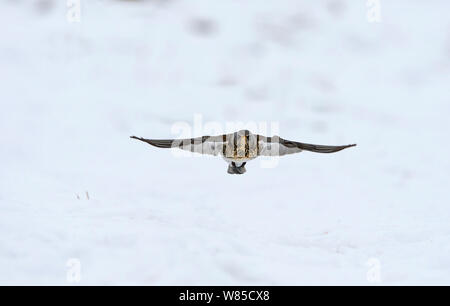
240,147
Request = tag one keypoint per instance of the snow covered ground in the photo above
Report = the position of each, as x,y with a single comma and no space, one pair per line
71,94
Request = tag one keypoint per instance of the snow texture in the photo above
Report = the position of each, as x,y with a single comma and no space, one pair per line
72,94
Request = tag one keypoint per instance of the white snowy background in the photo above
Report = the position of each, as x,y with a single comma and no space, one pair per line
71,94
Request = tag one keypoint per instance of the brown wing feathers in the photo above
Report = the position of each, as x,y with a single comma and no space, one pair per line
313,147
174,143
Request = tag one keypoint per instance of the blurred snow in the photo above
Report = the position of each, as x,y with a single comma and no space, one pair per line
72,94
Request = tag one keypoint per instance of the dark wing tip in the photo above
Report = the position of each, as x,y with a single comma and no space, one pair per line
160,143
139,138
333,149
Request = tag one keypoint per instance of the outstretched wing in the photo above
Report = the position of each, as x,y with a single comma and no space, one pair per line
211,145
277,146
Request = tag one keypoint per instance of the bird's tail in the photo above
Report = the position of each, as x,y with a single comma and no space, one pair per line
236,170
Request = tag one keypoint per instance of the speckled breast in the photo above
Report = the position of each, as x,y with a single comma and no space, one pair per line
240,147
